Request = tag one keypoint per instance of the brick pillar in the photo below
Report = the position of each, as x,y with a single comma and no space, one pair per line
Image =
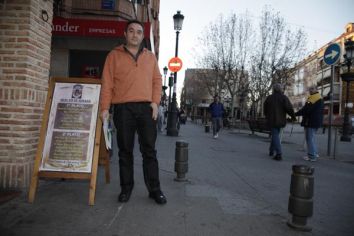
25,41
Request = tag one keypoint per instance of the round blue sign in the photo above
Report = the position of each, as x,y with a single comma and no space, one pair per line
331,54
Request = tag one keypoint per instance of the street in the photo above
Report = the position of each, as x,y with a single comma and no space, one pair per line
234,188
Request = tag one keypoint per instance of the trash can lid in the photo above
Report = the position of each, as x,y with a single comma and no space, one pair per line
303,169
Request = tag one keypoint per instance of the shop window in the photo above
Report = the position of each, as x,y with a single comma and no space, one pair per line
91,71
86,63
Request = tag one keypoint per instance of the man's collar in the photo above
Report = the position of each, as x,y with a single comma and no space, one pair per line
141,48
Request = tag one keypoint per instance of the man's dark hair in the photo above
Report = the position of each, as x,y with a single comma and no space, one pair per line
277,88
133,22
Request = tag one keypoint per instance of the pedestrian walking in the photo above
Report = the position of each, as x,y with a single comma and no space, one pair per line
312,119
276,107
182,117
216,109
131,81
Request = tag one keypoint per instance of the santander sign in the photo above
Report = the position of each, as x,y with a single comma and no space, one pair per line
95,28
65,28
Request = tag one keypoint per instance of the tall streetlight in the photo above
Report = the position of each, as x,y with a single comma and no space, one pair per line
172,115
165,70
164,87
170,84
347,76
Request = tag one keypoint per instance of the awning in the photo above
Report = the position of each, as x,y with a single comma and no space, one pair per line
91,28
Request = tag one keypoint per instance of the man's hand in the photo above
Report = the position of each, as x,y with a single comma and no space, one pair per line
104,115
154,110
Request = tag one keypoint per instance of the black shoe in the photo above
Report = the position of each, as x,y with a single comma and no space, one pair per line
124,196
158,197
271,153
277,157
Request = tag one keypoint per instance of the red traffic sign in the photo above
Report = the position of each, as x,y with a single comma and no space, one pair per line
175,64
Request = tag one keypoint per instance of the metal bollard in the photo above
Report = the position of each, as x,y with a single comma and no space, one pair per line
207,128
181,160
300,199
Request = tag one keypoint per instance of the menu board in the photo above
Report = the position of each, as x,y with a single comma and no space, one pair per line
70,135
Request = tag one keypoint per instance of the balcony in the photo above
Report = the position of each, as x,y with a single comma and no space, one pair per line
323,74
94,9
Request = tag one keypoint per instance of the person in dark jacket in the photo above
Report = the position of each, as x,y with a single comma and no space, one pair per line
276,106
217,110
312,119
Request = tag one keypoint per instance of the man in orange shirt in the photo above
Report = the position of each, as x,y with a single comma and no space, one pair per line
131,82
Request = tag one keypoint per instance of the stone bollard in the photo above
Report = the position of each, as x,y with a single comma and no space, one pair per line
207,128
181,160
300,199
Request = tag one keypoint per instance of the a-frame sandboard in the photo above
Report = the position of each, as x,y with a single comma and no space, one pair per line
71,102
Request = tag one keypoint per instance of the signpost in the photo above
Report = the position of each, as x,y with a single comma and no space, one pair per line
331,57
332,54
175,64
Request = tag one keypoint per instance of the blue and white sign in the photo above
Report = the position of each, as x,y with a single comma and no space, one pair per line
332,54
108,4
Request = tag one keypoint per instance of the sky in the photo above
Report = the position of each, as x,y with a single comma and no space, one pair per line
322,20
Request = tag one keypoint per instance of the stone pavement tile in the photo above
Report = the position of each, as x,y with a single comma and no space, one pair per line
234,188
8,195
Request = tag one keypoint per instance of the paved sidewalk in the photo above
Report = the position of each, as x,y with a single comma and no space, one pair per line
234,188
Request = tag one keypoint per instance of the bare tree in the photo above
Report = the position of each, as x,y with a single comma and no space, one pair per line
224,49
210,55
239,29
238,69
278,49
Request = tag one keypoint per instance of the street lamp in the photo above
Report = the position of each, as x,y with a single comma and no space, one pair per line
170,84
165,69
164,87
172,115
347,76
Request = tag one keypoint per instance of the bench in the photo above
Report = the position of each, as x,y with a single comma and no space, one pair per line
259,125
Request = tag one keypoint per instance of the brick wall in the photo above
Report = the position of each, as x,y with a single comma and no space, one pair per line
25,39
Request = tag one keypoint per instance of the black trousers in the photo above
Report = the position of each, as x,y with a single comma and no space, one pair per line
130,118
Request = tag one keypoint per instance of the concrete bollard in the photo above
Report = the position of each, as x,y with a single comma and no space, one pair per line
181,160
300,199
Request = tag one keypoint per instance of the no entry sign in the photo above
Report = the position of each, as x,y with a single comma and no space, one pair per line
175,64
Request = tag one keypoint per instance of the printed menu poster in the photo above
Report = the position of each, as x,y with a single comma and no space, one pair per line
71,128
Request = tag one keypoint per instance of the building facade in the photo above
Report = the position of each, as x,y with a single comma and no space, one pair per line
312,71
85,31
196,96
43,39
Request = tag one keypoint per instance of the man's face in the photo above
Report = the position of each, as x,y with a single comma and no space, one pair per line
312,91
134,35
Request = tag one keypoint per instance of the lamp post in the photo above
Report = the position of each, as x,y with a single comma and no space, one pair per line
164,87
172,115
165,69
170,84
347,77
